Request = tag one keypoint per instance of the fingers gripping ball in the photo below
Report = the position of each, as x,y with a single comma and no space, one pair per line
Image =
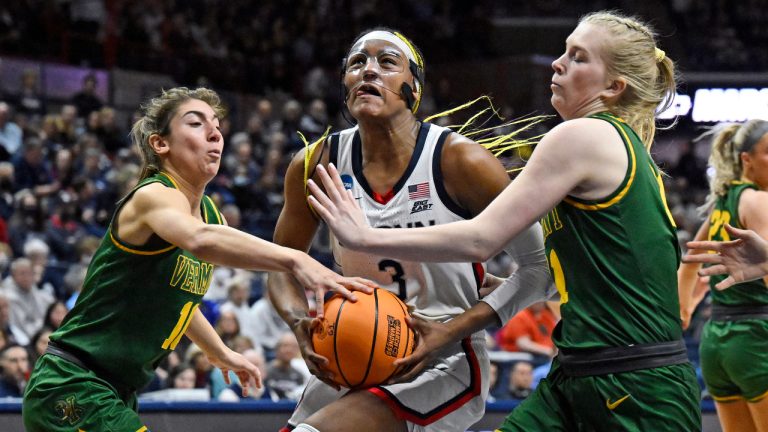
361,340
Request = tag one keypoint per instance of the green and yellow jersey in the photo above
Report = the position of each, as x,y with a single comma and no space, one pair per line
726,211
136,302
615,260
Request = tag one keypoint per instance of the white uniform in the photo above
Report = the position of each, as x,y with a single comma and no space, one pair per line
450,395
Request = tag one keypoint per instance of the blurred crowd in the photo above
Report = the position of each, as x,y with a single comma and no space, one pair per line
270,45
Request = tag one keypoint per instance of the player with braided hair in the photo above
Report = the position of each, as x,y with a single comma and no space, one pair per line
610,239
406,173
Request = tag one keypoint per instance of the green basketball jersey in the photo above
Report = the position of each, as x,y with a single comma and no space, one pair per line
727,211
615,260
136,302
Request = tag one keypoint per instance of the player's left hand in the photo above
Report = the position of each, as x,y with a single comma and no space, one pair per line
338,207
246,371
431,336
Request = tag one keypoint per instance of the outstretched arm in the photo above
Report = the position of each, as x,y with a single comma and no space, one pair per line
463,159
166,212
564,160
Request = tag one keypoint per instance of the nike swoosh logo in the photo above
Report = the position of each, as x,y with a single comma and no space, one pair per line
612,405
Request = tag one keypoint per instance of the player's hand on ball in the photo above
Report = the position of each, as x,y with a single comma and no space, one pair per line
315,362
431,336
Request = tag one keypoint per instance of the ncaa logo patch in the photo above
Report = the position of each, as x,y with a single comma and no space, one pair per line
346,179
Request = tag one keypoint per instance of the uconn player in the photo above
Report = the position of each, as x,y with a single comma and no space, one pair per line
405,173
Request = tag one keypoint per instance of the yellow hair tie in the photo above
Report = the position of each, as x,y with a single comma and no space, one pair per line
660,54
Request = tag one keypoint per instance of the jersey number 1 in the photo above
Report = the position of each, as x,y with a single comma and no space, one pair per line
558,275
185,317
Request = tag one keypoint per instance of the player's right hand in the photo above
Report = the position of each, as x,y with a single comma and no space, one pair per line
320,279
316,363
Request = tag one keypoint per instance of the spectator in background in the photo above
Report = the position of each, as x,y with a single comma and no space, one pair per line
530,331
28,302
63,170
7,179
521,380
109,133
238,293
14,367
47,275
11,134
31,170
315,120
182,376
282,376
28,222
11,333
86,100
54,315
64,228
264,325
65,131
38,343
227,326
28,100
203,368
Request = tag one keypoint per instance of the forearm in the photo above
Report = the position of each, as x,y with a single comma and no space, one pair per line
227,246
203,335
531,283
687,275
288,298
474,319
462,241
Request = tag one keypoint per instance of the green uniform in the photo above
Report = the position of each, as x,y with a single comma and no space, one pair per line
734,352
136,303
614,262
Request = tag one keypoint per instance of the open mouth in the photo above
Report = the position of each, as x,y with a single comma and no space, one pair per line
368,89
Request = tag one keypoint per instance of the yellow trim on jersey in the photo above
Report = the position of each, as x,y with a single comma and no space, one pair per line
620,195
171,179
142,429
215,210
727,398
135,251
663,194
758,398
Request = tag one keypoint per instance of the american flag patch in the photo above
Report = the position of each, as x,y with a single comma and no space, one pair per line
418,191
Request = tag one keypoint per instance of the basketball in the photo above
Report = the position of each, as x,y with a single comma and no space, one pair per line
362,339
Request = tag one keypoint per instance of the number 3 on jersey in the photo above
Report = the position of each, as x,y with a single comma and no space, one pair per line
558,276
396,271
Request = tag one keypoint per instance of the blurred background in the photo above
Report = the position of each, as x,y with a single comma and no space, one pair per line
74,72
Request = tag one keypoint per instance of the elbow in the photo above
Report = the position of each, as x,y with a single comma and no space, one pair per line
481,251
202,242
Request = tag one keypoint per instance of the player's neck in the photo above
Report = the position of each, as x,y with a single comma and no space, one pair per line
380,139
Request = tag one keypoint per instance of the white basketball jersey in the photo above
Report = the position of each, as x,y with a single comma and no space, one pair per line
437,291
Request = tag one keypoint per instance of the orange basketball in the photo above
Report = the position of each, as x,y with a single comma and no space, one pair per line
361,339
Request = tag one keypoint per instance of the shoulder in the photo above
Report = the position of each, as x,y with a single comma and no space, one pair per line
581,131
462,156
153,195
753,204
